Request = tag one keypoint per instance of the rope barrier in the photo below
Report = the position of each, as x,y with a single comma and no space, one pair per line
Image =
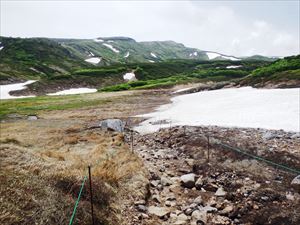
295,171
77,201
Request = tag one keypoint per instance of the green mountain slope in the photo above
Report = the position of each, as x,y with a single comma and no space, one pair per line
285,71
33,58
127,50
101,62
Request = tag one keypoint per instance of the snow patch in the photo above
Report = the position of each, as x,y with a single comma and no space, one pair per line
129,76
212,55
74,91
230,58
181,90
5,89
234,107
98,40
111,48
110,41
151,61
233,67
126,55
91,54
194,54
1,48
153,55
93,60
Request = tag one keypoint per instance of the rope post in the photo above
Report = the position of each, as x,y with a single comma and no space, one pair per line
91,194
131,139
208,153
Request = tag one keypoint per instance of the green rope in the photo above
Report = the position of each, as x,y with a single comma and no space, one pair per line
295,171
77,201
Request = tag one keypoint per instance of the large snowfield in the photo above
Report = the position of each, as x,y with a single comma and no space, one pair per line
234,107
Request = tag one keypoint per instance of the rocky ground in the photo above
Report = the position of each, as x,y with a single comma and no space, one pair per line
186,188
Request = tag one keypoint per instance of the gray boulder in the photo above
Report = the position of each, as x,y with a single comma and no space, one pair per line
188,180
112,124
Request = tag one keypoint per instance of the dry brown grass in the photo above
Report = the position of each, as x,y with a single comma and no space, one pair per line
43,163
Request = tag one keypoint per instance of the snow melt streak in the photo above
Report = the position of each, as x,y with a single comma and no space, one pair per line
111,47
74,91
236,107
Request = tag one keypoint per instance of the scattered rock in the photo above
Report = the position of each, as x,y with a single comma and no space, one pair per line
208,209
165,181
210,187
198,200
143,216
154,183
221,220
199,183
188,180
220,192
32,117
296,180
158,211
228,209
297,135
268,135
141,208
181,219
156,198
140,202
199,216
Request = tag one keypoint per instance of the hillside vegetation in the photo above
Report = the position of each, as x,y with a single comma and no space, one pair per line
283,70
59,64
34,58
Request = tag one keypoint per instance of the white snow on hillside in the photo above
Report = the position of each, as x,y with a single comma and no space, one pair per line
93,60
110,41
212,55
153,55
74,91
234,107
1,48
5,89
111,48
233,67
126,55
91,54
182,90
151,61
194,54
230,58
98,40
129,76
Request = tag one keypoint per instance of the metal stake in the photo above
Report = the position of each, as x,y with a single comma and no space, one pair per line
131,141
208,148
91,193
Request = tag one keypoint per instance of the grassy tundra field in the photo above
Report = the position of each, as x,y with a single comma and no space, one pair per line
43,161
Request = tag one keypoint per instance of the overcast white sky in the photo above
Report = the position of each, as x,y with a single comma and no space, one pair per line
232,27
